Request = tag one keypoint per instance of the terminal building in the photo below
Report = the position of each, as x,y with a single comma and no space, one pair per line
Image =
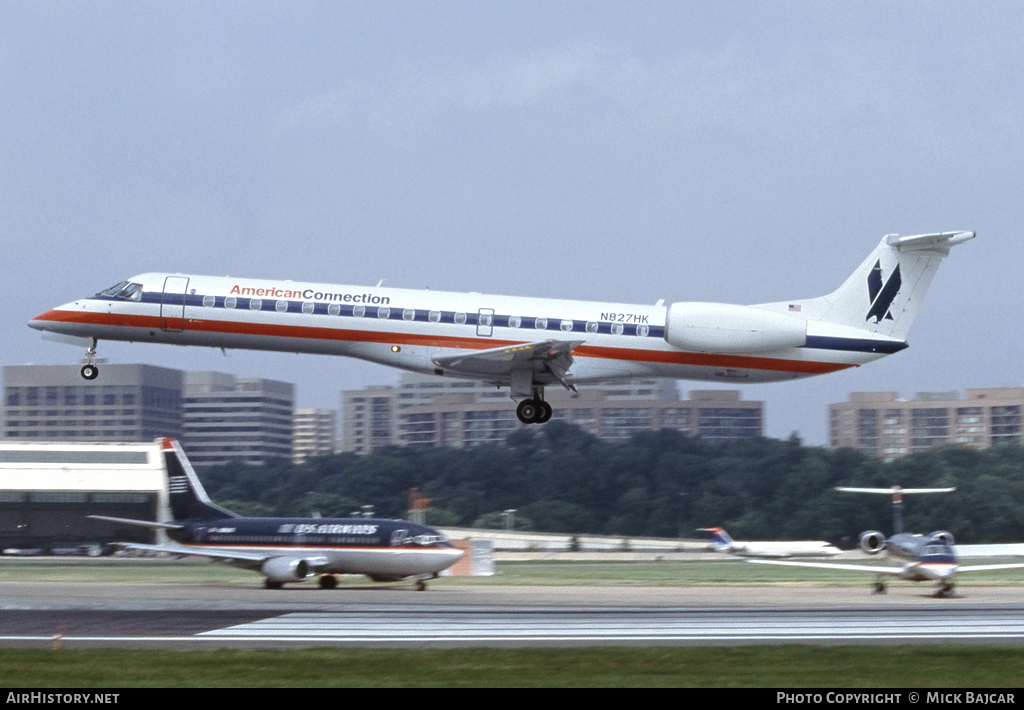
881,424
425,410
47,490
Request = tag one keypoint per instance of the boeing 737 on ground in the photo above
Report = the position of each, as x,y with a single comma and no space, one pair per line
923,558
291,549
524,344
722,542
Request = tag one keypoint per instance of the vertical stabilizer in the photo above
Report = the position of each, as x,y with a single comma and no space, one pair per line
187,498
885,292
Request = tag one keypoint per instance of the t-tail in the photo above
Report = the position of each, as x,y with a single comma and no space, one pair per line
885,292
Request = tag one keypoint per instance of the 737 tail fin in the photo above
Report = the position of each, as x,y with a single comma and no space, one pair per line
186,496
885,292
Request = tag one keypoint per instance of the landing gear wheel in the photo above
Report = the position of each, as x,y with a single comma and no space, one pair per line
270,584
544,411
879,588
90,372
527,411
328,581
421,586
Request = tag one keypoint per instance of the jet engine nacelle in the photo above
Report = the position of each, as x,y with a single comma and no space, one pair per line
946,537
292,569
727,328
872,542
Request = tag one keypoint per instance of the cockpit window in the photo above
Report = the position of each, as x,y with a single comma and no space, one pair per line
125,289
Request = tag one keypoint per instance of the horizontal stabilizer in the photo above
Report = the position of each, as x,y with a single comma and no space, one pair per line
140,523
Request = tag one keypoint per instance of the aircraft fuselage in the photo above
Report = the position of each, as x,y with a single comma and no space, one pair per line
410,329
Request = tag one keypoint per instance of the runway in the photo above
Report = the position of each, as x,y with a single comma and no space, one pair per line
192,616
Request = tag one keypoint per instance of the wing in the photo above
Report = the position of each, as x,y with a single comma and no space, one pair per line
545,359
834,565
982,568
236,557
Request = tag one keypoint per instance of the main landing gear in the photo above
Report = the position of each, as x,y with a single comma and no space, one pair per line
534,411
89,370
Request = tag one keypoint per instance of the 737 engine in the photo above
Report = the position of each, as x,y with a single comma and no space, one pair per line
279,570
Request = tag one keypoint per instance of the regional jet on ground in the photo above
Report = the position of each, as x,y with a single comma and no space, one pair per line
924,558
291,549
722,542
524,344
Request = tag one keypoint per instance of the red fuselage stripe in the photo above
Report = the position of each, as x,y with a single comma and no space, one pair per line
440,341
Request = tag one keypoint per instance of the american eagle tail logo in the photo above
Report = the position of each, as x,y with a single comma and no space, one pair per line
881,296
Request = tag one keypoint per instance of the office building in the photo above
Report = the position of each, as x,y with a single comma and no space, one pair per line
424,410
883,425
230,419
125,403
314,433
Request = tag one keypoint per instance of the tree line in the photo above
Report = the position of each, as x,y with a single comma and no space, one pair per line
558,478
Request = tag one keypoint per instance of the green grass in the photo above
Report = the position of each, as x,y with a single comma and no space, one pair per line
760,667
725,572
753,666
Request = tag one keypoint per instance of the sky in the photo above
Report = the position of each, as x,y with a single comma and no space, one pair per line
739,152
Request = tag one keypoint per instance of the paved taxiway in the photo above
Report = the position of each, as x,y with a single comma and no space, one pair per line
221,616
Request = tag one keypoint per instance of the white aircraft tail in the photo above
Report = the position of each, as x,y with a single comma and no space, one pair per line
885,292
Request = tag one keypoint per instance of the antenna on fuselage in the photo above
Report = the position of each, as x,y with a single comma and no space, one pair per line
897,500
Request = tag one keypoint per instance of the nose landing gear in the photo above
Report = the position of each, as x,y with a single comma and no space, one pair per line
89,370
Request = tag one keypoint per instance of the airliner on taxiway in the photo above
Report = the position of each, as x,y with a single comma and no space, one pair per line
524,344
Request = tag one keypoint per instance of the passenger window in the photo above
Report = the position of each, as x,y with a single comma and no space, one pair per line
209,301
566,326
460,318
308,307
255,304
514,321
591,326
359,311
642,330
484,319
333,309
617,328
230,302
281,306
409,314
541,324
383,312
434,317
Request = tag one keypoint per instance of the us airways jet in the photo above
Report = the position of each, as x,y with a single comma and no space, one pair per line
921,558
524,344
291,549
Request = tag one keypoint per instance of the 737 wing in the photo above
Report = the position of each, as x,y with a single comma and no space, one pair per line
519,366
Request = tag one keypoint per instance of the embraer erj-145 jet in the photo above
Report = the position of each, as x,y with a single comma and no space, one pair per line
921,558
524,344
291,549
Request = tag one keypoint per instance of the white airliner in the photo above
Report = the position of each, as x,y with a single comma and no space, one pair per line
920,558
524,344
721,541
